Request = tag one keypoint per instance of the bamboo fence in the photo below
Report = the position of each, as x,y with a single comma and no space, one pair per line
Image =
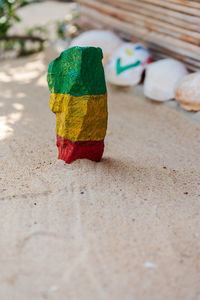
166,27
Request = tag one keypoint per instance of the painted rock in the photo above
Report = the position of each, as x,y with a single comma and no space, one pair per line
79,100
162,77
187,93
127,64
105,39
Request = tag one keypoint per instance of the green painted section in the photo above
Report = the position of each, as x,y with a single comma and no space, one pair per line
77,71
120,69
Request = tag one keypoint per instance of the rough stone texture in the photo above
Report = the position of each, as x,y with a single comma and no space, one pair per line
70,151
79,100
77,71
80,118
125,228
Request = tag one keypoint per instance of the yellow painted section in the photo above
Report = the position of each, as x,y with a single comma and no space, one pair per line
129,52
80,118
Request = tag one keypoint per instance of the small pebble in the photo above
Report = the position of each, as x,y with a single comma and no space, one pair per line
126,65
197,234
54,288
187,92
150,265
162,77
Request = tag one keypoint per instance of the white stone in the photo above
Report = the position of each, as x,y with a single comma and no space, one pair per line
162,77
150,265
54,288
187,92
105,39
127,64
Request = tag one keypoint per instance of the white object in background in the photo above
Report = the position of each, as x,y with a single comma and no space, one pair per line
162,77
127,64
187,93
150,265
105,39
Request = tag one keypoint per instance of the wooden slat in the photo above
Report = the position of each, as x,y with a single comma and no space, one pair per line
145,22
176,7
159,13
130,4
191,3
143,34
185,48
157,52
166,29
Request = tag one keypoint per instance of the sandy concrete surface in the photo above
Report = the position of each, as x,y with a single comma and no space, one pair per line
126,228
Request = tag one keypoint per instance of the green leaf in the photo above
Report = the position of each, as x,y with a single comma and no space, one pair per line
16,18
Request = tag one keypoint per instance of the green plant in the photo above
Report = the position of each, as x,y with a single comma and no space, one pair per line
8,15
32,41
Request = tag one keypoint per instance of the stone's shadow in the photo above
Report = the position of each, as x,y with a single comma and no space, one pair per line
112,163
128,170
147,177
124,167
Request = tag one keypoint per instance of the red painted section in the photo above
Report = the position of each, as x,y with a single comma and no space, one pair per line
70,151
148,61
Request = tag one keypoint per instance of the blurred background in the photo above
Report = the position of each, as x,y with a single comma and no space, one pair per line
134,32
168,28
